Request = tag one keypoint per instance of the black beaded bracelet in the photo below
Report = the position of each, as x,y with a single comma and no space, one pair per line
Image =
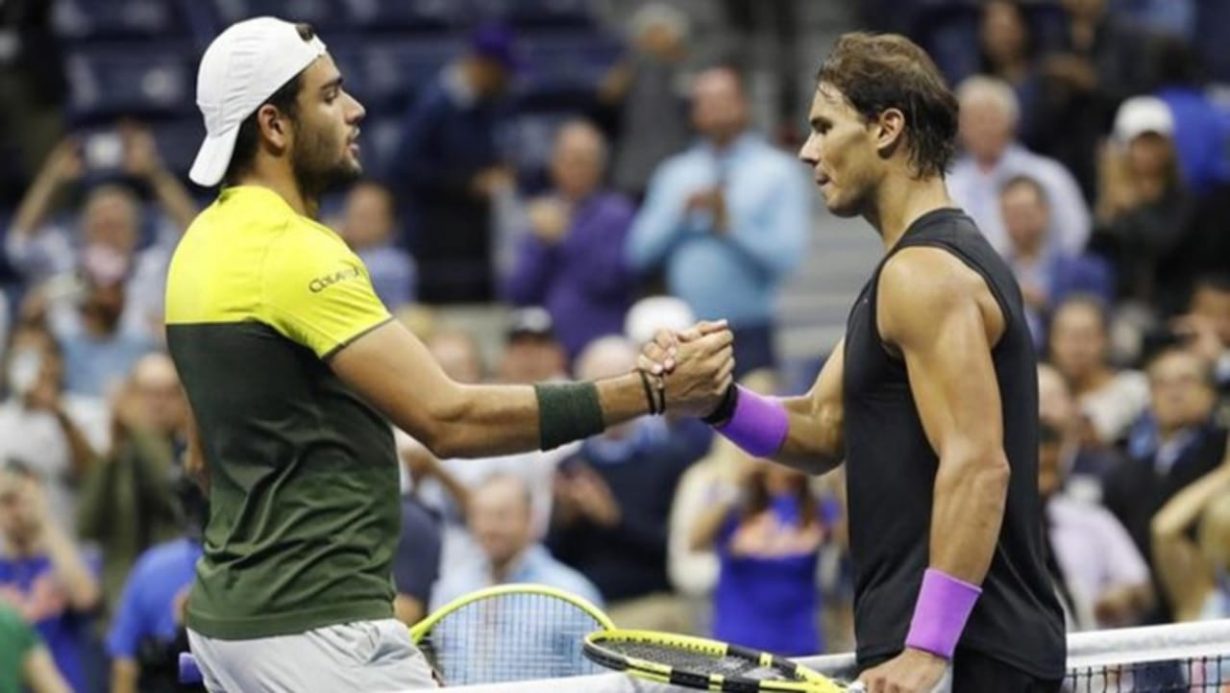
653,402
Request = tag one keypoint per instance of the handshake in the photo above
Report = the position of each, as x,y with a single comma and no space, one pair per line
690,371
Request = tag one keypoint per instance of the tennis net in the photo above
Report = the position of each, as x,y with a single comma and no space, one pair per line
1184,658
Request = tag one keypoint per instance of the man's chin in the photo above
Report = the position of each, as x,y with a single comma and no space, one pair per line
839,208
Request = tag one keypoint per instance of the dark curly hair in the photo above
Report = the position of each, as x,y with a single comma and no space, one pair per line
876,72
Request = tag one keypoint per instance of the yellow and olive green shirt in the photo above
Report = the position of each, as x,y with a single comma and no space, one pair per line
304,513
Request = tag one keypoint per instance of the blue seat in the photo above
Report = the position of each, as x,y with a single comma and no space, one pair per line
117,19
386,72
537,13
178,140
565,62
403,15
108,80
319,13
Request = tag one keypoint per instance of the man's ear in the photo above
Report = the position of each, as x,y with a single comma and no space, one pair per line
276,128
889,131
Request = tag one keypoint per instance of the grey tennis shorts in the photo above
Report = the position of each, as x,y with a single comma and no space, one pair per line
374,656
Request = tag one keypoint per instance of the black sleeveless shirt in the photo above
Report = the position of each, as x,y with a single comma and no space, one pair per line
891,477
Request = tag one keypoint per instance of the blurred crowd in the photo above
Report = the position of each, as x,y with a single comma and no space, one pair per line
1095,140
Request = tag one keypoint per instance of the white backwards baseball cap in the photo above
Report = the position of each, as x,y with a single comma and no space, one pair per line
240,70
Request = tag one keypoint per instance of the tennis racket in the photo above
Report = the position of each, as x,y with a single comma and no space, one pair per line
708,665
510,633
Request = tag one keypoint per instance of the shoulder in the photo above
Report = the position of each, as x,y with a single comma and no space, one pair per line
921,287
927,277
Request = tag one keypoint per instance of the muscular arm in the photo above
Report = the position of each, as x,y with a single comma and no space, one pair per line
942,318
814,440
395,373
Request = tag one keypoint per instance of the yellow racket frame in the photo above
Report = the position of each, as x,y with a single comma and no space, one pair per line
814,681
420,630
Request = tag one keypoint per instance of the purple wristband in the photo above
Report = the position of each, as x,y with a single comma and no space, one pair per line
943,606
758,425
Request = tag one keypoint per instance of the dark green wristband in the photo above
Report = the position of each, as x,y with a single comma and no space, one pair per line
567,412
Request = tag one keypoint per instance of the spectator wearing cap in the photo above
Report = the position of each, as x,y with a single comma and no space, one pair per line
1046,274
571,260
449,166
109,224
532,353
1100,61
1144,210
727,220
992,156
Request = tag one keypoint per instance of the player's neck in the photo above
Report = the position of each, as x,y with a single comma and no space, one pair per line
283,183
900,201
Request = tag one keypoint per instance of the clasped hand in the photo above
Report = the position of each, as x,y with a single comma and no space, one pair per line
693,367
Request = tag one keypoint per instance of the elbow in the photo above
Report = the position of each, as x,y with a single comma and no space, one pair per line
442,432
985,473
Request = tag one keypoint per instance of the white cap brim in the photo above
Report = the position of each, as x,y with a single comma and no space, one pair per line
213,158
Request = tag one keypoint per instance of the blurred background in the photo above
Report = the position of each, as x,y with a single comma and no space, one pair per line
546,183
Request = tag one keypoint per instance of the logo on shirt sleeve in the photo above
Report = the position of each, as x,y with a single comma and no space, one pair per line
323,282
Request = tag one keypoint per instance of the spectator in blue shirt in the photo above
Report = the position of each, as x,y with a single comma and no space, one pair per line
449,164
767,532
148,632
727,219
416,563
499,512
44,575
150,616
368,226
1047,274
571,260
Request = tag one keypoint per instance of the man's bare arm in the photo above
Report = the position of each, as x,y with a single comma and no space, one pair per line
814,441
392,369
941,316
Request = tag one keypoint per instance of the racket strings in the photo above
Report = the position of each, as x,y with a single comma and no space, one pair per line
511,637
701,662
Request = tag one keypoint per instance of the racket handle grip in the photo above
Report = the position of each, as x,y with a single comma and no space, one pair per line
189,672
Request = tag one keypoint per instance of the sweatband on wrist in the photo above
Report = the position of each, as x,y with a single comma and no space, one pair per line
567,412
944,605
759,424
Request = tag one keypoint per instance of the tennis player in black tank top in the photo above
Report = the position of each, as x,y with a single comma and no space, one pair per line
931,400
